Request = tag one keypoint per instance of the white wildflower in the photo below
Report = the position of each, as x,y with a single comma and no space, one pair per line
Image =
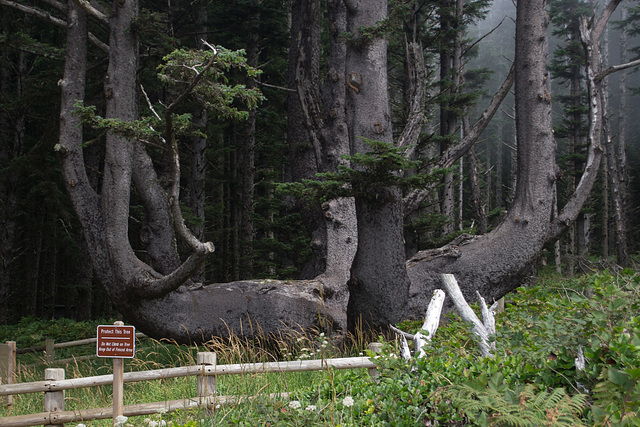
81,425
310,408
348,401
153,424
162,423
162,411
294,404
120,420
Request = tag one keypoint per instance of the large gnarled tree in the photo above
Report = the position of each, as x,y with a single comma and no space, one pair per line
156,294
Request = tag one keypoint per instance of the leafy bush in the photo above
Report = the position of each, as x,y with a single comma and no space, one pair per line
532,381
29,331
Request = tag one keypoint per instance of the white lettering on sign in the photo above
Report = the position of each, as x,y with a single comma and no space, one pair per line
116,341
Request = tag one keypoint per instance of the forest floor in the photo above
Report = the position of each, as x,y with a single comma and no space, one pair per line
531,380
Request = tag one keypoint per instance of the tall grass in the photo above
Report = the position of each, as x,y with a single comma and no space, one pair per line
157,354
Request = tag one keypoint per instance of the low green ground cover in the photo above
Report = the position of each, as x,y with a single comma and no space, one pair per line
531,381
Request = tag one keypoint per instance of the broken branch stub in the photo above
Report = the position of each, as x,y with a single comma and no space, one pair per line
431,322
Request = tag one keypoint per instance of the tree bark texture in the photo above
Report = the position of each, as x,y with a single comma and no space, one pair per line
247,163
318,135
493,264
378,286
10,149
450,69
382,288
198,160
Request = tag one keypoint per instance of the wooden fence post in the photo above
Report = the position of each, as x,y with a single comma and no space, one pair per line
374,347
53,400
118,384
49,352
206,383
7,368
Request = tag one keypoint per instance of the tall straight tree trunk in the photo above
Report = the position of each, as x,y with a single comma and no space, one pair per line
11,137
557,248
605,208
379,285
617,160
476,195
615,185
302,134
512,248
198,163
247,163
575,144
498,194
450,65
235,217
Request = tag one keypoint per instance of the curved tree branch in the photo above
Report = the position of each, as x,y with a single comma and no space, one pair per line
616,68
148,287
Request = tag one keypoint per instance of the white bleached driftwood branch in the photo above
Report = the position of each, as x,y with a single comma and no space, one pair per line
479,328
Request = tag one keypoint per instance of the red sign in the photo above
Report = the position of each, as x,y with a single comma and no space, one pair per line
116,341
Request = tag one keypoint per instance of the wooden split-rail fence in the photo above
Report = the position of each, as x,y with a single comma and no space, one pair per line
206,370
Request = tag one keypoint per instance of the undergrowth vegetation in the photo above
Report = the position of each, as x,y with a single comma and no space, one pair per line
532,380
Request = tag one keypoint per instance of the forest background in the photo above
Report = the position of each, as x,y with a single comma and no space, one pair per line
259,231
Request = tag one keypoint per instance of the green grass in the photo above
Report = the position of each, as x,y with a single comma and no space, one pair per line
152,354
531,381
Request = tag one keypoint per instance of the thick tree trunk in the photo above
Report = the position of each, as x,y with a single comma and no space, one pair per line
302,135
318,135
495,263
378,285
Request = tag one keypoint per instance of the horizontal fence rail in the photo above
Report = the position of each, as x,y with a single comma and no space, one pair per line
186,371
46,418
208,400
